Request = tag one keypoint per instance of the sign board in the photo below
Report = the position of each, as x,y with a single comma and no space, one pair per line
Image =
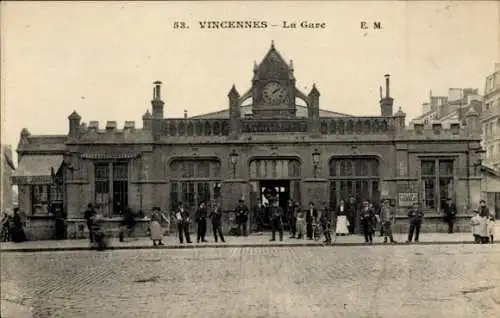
406,199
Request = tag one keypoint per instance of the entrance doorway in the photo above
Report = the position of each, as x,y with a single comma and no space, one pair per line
280,188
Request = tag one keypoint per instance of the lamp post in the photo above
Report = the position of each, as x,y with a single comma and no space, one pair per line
234,160
315,157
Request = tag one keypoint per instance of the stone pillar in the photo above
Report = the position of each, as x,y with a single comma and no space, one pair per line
315,190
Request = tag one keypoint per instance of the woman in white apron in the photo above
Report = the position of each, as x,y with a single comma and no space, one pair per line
342,223
155,226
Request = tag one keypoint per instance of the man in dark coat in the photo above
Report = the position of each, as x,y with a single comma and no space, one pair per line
292,218
201,221
183,220
259,215
415,216
216,217
311,217
450,211
367,218
128,224
351,214
241,214
18,234
276,220
89,217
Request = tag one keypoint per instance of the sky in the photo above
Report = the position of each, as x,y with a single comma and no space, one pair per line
101,58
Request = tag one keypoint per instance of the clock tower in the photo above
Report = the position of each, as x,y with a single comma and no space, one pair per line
273,87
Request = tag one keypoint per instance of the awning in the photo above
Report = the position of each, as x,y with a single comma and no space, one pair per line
36,169
109,155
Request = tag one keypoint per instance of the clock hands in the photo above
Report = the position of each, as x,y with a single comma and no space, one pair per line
276,90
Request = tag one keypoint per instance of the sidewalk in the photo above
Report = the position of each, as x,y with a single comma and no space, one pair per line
254,240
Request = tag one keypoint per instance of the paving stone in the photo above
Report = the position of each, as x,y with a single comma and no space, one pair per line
343,281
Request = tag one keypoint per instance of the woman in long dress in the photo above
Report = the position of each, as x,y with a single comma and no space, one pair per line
155,226
342,223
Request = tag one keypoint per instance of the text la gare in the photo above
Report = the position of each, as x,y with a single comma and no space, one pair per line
303,25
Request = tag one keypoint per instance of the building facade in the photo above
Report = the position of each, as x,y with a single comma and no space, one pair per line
490,118
263,140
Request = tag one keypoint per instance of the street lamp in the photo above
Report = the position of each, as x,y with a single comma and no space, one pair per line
234,160
315,156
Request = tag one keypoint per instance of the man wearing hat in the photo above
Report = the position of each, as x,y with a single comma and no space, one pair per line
241,214
450,211
276,219
387,217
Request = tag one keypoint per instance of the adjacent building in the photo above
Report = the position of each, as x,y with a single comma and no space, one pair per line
273,136
7,170
450,108
490,119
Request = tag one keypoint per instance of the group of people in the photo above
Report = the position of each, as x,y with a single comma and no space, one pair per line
483,224
302,222
13,226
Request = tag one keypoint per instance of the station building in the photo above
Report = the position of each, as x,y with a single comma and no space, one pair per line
272,136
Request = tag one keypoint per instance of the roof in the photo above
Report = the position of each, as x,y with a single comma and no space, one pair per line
44,143
247,109
38,165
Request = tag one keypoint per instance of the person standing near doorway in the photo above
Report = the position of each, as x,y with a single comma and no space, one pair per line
292,218
201,221
342,227
450,212
276,220
311,216
258,216
89,217
352,214
367,217
242,217
183,220
415,216
216,217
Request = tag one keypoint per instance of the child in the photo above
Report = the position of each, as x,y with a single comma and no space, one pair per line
301,224
475,223
491,228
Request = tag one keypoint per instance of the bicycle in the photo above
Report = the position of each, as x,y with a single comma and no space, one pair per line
317,231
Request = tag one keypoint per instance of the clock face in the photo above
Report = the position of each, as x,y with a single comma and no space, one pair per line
274,93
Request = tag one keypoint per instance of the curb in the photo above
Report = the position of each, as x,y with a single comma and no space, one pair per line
194,246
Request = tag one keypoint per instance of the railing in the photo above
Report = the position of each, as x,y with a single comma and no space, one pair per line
195,127
273,125
357,125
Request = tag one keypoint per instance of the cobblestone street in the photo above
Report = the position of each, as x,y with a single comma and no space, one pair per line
342,281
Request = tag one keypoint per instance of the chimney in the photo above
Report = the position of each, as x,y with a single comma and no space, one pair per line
386,103
74,123
313,112
234,114
157,103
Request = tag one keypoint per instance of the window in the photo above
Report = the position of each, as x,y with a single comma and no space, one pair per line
40,198
111,187
357,177
437,182
193,181
274,169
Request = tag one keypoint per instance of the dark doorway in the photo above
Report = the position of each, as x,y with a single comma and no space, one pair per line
282,189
